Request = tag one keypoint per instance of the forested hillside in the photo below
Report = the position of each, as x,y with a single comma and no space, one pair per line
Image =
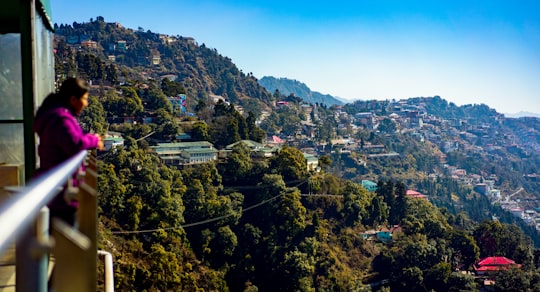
201,70
248,222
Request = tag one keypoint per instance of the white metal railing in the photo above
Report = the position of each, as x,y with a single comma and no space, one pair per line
109,272
20,211
75,250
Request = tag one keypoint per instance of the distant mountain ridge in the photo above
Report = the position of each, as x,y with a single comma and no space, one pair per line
287,86
522,114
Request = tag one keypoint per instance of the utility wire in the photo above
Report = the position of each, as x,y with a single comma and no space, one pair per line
151,133
137,140
204,221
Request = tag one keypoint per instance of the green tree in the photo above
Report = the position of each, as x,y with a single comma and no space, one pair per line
134,207
221,109
156,99
290,216
378,211
386,191
290,163
461,282
418,251
255,133
253,106
91,66
131,104
224,131
487,236
112,191
171,88
233,133
398,211
165,268
92,119
203,202
298,269
436,278
200,132
411,279
466,252
111,74
387,126
355,201
513,279
238,164
167,127
324,161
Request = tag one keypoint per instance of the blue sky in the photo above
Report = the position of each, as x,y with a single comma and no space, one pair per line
467,52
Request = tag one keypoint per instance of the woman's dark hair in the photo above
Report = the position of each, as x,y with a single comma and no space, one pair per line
70,87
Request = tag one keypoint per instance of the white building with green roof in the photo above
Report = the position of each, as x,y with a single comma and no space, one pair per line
312,162
186,153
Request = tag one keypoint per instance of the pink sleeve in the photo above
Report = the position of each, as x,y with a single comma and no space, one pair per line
72,137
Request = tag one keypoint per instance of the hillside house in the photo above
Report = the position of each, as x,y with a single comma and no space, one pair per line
156,57
312,162
416,195
185,153
383,234
373,149
365,120
281,104
490,265
121,46
369,185
89,44
112,142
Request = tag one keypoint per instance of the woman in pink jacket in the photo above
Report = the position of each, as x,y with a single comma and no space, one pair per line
61,136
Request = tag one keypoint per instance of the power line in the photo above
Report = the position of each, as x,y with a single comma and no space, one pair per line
204,221
196,223
321,195
151,133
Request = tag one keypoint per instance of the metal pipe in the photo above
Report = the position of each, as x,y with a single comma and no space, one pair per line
109,272
43,246
18,212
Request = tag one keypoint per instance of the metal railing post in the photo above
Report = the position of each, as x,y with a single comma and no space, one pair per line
28,264
109,272
44,245
70,252
88,226
87,218
32,255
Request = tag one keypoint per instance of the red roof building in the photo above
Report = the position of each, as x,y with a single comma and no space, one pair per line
415,194
277,140
494,264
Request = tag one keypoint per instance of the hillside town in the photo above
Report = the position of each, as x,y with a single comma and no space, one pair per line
406,117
